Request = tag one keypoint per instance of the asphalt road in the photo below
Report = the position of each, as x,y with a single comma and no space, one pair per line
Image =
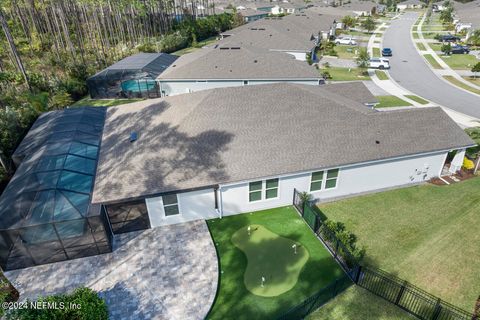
411,71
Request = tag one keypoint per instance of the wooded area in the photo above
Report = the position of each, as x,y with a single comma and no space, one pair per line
49,48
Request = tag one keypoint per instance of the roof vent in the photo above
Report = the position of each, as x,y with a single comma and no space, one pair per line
377,141
235,48
255,61
224,48
261,28
133,136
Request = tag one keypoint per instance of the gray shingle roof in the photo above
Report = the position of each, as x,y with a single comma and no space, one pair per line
243,62
235,134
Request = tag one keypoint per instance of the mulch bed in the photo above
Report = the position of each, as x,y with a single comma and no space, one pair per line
460,175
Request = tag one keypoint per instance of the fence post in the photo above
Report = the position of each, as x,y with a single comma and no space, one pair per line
294,194
438,310
359,272
400,293
336,247
335,288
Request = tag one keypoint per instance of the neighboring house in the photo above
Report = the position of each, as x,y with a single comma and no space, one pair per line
468,15
360,8
410,4
132,77
297,34
287,8
230,66
250,15
227,151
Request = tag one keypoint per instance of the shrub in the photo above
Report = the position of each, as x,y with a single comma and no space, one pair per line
91,307
347,238
468,164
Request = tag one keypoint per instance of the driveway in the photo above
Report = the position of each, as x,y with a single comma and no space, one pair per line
163,273
410,70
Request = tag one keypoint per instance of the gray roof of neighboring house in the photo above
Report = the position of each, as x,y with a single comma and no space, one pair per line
415,2
360,5
242,62
293,32
468,12
244,133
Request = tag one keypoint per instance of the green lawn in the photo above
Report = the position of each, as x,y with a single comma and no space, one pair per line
460,84
432,61
376,52
234,300
346,52
102,102
199,45
460,61
381,75
416,98
473,80
420,46
357,303
391,101
436,46
345,74
425,234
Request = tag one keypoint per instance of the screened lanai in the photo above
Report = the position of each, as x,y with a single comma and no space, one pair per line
132,77
45,211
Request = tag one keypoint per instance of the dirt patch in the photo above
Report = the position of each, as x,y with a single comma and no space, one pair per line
459,176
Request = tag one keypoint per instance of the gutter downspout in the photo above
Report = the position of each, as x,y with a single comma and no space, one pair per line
220,200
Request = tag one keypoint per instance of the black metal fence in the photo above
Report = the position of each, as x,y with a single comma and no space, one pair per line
393,289
317,300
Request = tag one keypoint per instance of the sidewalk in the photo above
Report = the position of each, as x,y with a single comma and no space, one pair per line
447,71
393,88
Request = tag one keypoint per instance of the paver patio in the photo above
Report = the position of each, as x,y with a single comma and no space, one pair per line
163,273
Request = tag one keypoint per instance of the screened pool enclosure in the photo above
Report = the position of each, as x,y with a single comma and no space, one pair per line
45,211
132,77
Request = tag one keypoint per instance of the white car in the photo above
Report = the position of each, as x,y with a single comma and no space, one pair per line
379,63
348,41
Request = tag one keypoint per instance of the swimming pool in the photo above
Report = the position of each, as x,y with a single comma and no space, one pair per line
142,85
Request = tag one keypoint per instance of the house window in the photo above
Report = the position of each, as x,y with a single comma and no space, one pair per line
255,191
245,82
331,181
170,205
271,188
316,181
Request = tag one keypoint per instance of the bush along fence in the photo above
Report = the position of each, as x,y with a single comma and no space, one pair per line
403,294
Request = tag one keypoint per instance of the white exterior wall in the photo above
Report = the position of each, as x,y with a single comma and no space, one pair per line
193,205
351,180
233,198
302,56
172,88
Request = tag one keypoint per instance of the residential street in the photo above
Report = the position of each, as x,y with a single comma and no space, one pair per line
411,71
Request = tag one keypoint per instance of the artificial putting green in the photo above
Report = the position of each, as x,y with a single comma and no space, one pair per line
234,300
272,257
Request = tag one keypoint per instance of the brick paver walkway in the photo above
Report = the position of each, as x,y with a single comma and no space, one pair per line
168,272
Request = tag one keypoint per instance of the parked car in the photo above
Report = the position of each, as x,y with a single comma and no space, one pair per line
380,63
449,38
458,49
348,41
387,52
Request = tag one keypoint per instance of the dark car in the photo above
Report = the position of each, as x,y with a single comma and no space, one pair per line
460,50
449,38
387,52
